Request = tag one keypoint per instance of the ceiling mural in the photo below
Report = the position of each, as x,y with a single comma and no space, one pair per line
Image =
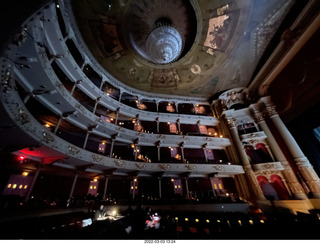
219,42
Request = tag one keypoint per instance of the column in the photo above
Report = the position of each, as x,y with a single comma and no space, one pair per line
111,147
182,152
157,120
134,188
290,178
86,140
205,152
57,125
135,152
36,174
179,127
120,95
303,164
73,185
245,160
96,104
198,123
105,187
159,181
117,116
158,147
187,187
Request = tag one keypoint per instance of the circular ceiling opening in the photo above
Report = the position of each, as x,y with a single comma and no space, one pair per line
161,32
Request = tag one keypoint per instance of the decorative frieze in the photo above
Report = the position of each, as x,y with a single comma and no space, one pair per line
268,167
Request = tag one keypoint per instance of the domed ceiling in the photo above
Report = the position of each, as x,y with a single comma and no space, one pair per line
188,48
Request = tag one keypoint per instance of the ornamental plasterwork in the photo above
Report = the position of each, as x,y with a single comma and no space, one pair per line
259,117
164,166
140,165
47,137
218,167
119,163
190,167
23,116
254,137
96,158
231,122
81,108
271,110
268,167
72,150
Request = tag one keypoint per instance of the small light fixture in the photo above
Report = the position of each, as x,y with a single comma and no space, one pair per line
25,173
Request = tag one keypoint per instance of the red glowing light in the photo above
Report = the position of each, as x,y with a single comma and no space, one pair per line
21,158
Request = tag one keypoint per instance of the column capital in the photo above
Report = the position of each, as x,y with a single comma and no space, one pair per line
302,162
231,122
271,110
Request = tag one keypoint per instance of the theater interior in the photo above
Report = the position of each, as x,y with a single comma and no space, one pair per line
164,120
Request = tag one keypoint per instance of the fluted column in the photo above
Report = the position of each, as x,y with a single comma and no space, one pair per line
291,179
244,158
303,164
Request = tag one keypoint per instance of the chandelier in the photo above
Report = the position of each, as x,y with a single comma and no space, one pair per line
164,45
